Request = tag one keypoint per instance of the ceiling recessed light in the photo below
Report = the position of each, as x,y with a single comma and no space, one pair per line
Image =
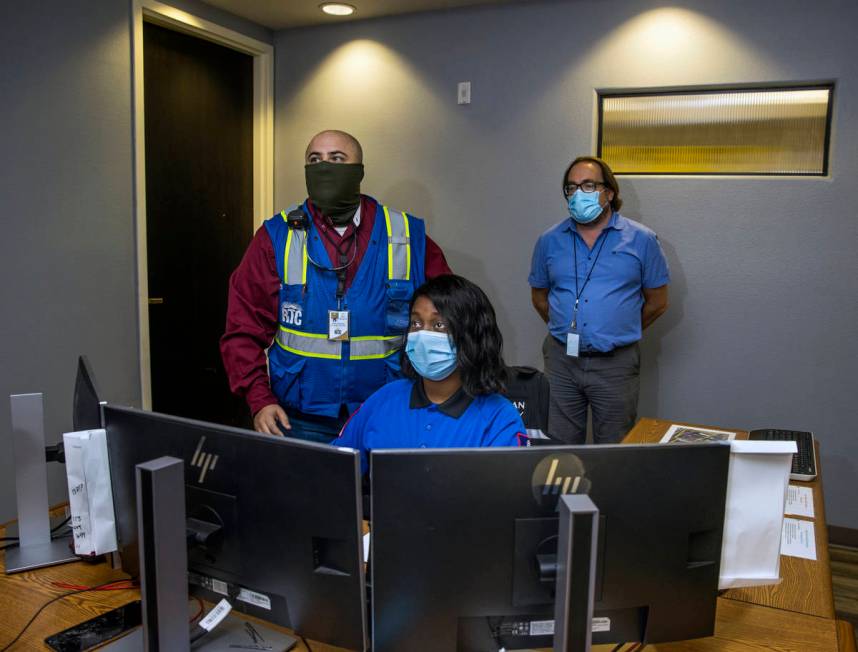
337,8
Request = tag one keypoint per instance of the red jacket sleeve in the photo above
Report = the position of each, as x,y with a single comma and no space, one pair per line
436,263
251,322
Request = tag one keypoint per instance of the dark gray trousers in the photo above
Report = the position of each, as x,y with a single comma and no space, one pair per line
609,386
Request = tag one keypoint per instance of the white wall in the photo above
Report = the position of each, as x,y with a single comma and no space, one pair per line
761,328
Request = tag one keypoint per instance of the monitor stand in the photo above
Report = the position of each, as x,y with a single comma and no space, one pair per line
36,549
164,575
577,545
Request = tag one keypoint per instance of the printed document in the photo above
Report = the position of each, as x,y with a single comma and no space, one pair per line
798,539
799,501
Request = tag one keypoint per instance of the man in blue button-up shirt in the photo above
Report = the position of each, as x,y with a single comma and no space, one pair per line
597,279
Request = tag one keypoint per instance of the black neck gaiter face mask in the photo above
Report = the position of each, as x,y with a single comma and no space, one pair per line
335,189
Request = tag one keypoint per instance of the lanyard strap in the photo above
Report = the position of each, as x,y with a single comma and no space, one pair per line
344,262
578,293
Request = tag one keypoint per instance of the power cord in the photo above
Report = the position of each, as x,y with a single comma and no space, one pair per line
50,602
301,636
53,529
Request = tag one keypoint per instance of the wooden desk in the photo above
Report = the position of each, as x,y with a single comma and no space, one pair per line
797,614
22,594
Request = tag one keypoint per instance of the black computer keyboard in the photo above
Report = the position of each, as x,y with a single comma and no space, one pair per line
804,461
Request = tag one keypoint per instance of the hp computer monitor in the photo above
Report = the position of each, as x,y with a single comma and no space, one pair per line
464,543
274,524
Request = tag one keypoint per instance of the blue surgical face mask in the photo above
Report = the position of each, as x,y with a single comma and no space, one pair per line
584,207
432,354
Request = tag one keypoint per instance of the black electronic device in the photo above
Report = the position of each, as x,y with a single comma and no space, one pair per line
96,631
464,543
297,219
274,524
803,460
86,412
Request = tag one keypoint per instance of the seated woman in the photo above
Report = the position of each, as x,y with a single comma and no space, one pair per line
455,371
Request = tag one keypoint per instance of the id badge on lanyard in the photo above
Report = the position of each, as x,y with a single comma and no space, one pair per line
338,325
573,339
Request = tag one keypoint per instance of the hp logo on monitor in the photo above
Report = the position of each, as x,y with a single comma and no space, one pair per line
557,475
204,461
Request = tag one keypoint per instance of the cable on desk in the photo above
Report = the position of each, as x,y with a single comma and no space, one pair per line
54,535
53,529
199,613
118,585
50,602
303,640
494,630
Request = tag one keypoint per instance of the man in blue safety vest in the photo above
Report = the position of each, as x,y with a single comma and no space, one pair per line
324,288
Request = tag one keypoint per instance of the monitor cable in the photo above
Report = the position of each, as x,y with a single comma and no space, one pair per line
99,587
53,529
14,541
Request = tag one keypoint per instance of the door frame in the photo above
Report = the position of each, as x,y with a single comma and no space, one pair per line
263,140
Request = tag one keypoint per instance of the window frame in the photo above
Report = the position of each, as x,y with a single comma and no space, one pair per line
829,86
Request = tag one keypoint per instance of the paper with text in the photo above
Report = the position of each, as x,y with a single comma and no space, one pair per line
799,501
798,539
90,492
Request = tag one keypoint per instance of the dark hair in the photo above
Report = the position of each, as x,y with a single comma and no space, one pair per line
607,175
472,326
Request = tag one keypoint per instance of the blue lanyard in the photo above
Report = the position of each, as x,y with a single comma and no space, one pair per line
604,236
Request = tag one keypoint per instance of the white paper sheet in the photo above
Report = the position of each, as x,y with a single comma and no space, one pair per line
798,539
799,501
90,493
756,494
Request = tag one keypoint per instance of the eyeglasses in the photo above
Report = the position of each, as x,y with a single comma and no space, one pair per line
588,186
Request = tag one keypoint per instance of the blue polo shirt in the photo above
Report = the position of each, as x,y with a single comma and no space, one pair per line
399,415
609,311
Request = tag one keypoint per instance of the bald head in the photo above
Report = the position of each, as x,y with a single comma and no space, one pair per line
335,147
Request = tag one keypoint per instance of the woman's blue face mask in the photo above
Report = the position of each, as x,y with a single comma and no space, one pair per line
432,354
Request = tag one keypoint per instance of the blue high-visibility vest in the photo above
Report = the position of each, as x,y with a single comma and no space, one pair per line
311,372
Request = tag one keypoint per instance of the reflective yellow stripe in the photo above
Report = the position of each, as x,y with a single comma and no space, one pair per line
389,244
386,345
321,336
407,248
374,347
304,268
304,254
327,356
367,338
309,349
376,356
286,256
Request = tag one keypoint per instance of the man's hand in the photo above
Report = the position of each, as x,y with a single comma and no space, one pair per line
271,420
539,298
655,304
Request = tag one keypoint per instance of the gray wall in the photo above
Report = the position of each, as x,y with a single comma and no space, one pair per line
67,251
761,327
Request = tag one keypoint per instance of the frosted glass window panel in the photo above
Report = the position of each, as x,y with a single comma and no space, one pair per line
766,131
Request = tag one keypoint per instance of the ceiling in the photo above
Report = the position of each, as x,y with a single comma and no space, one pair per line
282,14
